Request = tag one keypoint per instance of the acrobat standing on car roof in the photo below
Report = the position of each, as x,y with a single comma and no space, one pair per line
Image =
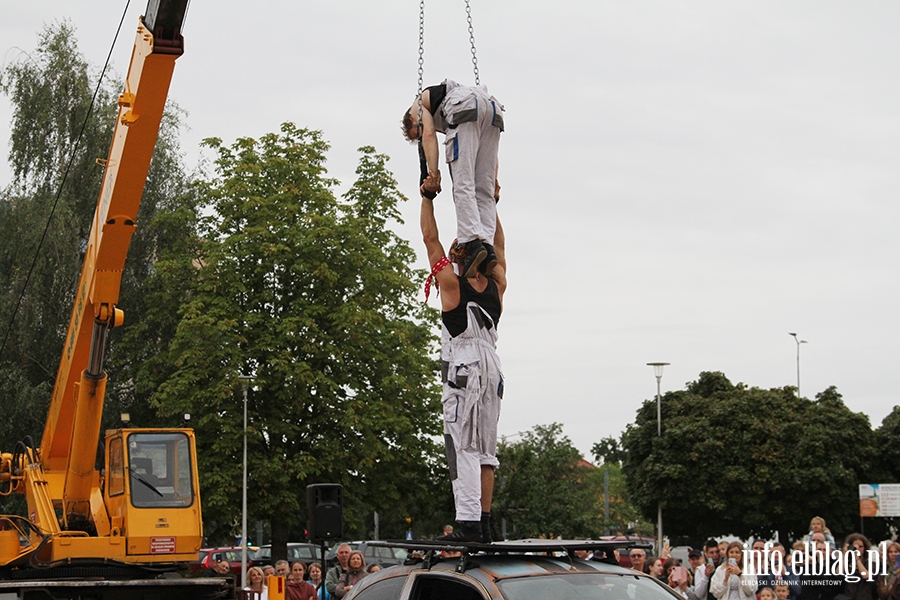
471,119
470,371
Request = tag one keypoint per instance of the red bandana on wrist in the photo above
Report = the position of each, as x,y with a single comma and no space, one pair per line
435,269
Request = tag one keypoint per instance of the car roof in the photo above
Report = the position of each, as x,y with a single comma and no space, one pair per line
493,563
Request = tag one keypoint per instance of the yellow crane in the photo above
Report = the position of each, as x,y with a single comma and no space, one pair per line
141,513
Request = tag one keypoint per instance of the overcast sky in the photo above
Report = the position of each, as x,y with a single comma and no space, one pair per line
684,182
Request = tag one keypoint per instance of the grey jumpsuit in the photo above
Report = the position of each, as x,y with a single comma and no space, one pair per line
472,391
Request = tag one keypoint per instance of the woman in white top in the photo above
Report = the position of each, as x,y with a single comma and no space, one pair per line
257,583
729,582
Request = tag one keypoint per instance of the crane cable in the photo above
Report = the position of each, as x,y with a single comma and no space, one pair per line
62,182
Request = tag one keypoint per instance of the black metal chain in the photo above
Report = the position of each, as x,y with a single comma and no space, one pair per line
472,41
421,60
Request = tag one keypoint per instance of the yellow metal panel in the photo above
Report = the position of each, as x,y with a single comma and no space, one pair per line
98,508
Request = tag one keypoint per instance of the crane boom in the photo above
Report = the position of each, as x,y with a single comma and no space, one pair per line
137,126
143,509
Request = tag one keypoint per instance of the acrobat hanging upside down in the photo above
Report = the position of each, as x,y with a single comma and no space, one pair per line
471,119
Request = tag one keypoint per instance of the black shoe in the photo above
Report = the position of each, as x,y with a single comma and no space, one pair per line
486,530
475,254
468,531
486,267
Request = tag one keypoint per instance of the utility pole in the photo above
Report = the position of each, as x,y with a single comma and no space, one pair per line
658,373
799,341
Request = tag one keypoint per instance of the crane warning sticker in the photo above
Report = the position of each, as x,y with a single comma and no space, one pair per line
162,545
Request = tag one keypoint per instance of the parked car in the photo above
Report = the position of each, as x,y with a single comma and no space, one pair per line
231,554
295,551
379,555
519,570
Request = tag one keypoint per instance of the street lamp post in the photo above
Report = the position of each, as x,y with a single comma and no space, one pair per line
799,341
245,383
658,373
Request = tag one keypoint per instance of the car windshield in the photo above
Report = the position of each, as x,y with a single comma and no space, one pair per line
583,586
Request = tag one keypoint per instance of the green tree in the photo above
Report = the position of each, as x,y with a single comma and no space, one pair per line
608,451
314,297
50,92
56,134
886,470
544,487
747,461
624,517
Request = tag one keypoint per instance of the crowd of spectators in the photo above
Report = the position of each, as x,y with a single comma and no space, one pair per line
718,571
305,582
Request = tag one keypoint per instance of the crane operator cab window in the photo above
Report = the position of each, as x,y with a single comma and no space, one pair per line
159,470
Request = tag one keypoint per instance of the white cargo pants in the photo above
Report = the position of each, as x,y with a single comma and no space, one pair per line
471,150
473,389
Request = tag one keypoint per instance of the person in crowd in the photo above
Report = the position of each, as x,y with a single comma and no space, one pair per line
283,568
730,582
818,587
334,573
766,593
864,589
268,570
886,581
679,579
723,550
817,525
257,583
700,573
799,545
596,555
315,578
757,556
297,586
713,557
356,570
782,591
373,568
656,568
220,568
639,560
669,565
298,571
779,571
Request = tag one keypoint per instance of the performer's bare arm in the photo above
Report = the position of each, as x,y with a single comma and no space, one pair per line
429,140
449,284
499,273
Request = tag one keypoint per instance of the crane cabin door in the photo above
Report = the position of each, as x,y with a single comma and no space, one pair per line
153,493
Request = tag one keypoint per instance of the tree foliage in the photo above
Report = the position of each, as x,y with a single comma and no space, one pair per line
54,134
544,488
748,461
313,297
886,469
608,451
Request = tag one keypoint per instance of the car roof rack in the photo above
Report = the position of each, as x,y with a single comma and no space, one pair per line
431,549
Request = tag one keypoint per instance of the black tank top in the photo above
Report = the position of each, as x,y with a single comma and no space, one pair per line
436,94
456,320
